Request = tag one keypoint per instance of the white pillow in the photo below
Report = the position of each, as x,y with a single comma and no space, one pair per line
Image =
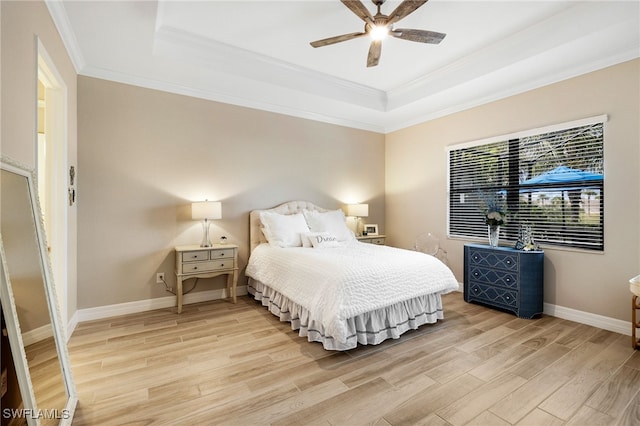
306,239
332,222
283,230
324,240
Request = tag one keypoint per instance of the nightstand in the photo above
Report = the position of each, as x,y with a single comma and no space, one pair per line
372,239
194,261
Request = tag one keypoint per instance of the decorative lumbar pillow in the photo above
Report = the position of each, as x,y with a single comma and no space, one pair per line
332,222
324,240
283,230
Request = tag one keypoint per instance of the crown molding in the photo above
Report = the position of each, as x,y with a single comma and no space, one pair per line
602,40
330,114
220,57
68,36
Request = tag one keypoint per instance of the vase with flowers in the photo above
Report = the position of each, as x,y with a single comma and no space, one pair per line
495,215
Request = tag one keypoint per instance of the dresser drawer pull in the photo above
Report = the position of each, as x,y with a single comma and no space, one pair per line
475,274
195,267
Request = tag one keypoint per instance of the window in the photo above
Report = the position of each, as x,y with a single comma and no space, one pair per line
551,179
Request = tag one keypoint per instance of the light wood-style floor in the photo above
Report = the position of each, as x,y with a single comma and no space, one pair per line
225,364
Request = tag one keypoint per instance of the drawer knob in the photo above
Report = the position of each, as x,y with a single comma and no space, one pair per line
222,265
221,254
195,267
475,274
508,298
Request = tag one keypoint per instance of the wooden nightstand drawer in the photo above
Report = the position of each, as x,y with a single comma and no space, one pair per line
222,254
190,256
210,265
372,239
379,241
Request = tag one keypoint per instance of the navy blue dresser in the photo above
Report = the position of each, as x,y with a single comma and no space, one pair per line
504,278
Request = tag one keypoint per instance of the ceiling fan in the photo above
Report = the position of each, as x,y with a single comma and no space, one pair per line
379,26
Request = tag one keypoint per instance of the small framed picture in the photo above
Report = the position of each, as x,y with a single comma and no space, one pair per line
370,229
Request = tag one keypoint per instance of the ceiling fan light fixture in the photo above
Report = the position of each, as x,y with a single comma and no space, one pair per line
379,32
379,26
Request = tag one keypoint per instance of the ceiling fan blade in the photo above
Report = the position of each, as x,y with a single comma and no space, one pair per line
374,53
359,9
421,36
404,9
336,39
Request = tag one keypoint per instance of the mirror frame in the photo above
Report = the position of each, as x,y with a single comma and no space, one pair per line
11,315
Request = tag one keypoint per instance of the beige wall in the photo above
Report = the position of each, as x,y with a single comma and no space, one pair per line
22,24
144,155
416,181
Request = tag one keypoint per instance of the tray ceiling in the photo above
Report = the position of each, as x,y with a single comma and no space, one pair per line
257,53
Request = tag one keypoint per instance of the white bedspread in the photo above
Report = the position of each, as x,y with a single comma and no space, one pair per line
340,283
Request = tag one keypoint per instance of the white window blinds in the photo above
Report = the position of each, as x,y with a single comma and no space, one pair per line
550,179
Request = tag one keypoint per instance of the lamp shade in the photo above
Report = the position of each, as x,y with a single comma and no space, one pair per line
206,210
358,210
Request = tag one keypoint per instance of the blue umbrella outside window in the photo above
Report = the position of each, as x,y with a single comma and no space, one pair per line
562,174
559,175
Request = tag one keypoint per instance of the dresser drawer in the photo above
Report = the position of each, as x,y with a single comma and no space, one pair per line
492,276
207,266
494,259
222,254
500,297
190,256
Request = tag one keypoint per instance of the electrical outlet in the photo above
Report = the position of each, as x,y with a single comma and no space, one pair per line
160,277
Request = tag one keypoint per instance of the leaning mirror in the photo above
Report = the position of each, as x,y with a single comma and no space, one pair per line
38,352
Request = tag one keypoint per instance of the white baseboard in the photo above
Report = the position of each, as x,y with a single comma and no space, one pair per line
109,311
595,320
37,334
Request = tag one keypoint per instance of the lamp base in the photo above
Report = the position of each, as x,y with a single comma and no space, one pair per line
206,242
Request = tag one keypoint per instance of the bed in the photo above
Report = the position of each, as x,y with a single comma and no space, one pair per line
308,268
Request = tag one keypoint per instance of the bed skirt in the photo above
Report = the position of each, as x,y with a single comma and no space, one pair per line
369,328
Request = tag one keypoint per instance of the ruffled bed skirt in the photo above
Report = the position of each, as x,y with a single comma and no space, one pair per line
369,328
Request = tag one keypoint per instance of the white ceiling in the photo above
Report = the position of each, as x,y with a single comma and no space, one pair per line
257,53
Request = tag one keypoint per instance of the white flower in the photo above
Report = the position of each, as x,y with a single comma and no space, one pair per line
494,216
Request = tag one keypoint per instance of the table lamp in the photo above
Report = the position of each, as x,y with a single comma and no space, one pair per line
205,211
358,211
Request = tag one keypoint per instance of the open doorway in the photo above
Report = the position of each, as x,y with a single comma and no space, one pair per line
51,170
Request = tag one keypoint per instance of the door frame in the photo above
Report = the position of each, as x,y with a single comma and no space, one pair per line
57,205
